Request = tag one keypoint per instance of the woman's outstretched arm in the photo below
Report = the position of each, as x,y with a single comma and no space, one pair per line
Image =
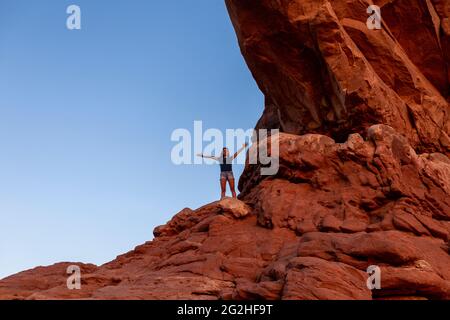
207,157
240,150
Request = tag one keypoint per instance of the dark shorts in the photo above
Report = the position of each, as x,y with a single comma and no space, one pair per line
226,175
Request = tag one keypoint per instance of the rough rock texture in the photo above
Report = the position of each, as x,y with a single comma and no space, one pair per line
310,232
322,70
364,175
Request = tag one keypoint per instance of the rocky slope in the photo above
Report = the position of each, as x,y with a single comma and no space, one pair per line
308,233
364,173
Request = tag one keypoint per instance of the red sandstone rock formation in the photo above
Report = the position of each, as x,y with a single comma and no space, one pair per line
308,233
322,70
364,173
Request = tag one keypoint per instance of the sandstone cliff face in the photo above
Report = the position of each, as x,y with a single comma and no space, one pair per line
322,70
364,175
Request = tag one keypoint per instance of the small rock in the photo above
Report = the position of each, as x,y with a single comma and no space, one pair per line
234,207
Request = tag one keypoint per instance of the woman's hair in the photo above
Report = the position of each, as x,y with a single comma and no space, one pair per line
223,151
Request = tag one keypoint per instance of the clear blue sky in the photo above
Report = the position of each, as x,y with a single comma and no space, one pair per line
86,118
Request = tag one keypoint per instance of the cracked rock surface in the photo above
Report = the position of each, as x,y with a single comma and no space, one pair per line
309,232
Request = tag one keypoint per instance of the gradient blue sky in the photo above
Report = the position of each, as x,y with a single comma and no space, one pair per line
86,118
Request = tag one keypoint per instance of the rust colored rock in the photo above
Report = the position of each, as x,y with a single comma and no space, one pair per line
364,177
234,207
29,284
323,70
310,232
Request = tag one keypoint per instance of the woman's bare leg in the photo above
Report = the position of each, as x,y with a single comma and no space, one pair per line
223,186
233,191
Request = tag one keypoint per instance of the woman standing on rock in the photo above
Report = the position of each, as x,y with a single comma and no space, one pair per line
226,169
